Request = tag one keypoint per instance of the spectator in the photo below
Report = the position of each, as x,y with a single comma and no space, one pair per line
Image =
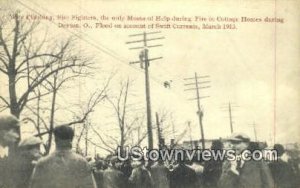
213,168
140,176
113,177
29,153
282,172
63,168
9,136
126,168
197,166
239,173
160,175
98,173
183,176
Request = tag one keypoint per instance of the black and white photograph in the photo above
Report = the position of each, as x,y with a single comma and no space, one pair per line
149,94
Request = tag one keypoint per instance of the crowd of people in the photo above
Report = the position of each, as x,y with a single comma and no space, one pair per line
25,167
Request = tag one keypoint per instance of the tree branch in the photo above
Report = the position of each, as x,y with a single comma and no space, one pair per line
90,106
100,137
5,101
23,99
2,42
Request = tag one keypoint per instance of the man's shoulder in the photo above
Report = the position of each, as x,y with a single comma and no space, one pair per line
58,154
77,157
44,160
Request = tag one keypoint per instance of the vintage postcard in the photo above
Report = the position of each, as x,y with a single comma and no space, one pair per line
110,79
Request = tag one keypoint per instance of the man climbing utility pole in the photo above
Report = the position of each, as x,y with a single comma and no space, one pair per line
200,111
144,62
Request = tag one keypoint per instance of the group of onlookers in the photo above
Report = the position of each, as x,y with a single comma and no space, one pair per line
22,166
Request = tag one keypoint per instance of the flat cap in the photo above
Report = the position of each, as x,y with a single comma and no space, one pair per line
30,141
239,137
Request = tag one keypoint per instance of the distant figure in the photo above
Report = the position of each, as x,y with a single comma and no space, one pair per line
160,175
140,176
213,168
183,176
9,126
98,173
126,168
63,168
113,177
282,172
9,136
242,174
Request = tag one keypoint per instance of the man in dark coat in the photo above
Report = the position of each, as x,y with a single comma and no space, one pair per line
281,170
244,174
126,168
160,175
98,173
213,168
63,168
183,176
113,177
140,176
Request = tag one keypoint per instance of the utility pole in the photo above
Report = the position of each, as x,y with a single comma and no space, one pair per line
159,135
230,107
144,64
190,131
230,118
198,98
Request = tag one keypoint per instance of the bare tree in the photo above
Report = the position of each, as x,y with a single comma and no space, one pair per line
27,60
165,121
127,123
120,108
80,118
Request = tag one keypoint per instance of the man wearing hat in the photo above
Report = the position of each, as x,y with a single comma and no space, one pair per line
241,174
160,174
29,152
282,171
9,136
63,168
9,125
140,176
113,177
183,176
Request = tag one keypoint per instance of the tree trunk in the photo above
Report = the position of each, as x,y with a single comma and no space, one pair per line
52,113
